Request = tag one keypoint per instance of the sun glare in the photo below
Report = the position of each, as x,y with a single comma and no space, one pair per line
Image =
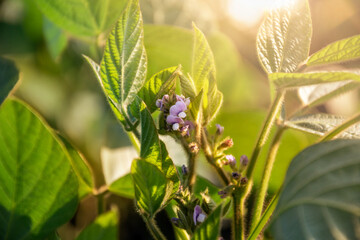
250,12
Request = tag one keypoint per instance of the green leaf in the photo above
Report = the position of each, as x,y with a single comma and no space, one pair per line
38,188
104,227
202,184
321,195
82,17
9,76
210,228
204,75
283,40
158,85
123,67
343,50
317,94
96,68
321,123
56,40
187,86
290,80
81,169
150,186
124,187
195,107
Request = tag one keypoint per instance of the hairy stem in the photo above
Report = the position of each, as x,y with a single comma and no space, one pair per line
210,158
270,119
261,194
339,129
191,177
238,223
154,229
101,203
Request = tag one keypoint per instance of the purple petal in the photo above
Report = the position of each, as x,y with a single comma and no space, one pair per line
173,119
159,103
177,108
197,211
219,129
231,160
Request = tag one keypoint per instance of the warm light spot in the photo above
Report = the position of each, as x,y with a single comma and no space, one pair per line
249,12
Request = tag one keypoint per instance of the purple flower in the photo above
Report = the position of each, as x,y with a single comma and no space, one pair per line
184,170
235,175
219,129
173,119
244,160
230,160
178,109
198,216
159,103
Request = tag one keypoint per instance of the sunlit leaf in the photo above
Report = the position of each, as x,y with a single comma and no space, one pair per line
317,94
195,106
343,50
290,80
319,124
82,17
321,195
81,169
124,187
158,85
9,75
38,187
284,37
210,228
56,40
123,67
187,86
104,227
150,186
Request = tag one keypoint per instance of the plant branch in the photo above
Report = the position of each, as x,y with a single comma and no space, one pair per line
261,194
154,229
270,119
238,223
339,129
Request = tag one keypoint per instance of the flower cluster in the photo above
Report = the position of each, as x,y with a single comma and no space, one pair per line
174,109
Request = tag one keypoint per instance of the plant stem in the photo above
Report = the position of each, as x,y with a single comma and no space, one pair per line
270,119
339,129
261,194
238,224
191,177
134,137
101,203
210,158
154,229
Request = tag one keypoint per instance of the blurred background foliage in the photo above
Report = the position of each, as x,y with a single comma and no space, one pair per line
57,82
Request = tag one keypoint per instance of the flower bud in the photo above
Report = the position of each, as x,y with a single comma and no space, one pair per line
194,148
219,129
244,160
243,180
235,175
225,144
184,170
230,160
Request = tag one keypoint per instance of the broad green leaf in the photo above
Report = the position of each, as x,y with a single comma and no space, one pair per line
150,186
104,227
321,194
123,67
180,234
187,86
82,17
124,187
317,94
343,50
96,69
291,80
319,124
56,40
283,40
153,150
53,236
158,85
81,169
210,228
9,76
204,75
195,107
38,188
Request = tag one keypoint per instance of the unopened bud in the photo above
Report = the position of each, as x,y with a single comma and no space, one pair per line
225,144
194,148
184,170
235,175
244,160
175,221
243,180
230,160
219,129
